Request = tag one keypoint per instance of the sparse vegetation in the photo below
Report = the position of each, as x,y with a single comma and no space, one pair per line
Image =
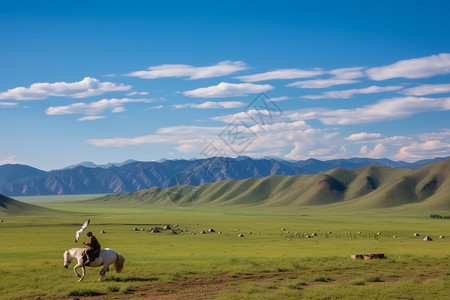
434,216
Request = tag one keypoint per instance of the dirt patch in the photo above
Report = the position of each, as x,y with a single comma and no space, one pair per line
198,287
192,289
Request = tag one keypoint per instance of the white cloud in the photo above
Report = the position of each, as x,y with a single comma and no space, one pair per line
277,99
118,109
298,138
342,73
384,110
443,135
340,76
320,83
10,160
345,94
91,118
364,150
211,105
244,116
281,74
80,89
154,107
362,136
178,70
428,89
224,89
416,151
93,108
422,67
137,93
8,104
176,135
377,152
316,143
347,73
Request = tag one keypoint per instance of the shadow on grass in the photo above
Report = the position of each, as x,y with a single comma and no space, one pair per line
132,278
84,292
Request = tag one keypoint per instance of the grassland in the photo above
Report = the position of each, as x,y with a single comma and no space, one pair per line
269,263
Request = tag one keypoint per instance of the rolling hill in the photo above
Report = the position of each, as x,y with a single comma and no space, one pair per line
369,187
88,178
9,206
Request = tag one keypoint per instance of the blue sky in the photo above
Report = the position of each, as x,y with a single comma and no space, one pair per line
107,81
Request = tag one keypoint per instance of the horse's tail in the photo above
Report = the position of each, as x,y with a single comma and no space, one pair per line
120,261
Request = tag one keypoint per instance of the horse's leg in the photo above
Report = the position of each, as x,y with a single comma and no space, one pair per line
103,271
80,264
84,272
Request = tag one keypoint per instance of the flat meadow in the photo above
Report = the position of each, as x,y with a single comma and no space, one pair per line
270,261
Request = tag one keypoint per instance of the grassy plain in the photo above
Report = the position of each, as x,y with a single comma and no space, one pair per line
269,263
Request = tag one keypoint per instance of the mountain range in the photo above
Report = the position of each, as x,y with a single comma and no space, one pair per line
369,187
132,176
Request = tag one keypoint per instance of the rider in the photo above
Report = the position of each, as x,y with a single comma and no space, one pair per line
92,247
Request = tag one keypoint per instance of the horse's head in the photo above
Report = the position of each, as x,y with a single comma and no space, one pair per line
67,259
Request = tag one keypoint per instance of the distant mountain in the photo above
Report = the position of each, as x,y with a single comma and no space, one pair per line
90,164
369,187
18,180
9,206
13,172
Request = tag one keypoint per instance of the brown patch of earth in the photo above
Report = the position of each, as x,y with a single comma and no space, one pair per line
199,288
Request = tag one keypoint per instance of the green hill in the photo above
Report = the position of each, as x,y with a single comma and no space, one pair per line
9,206
370,187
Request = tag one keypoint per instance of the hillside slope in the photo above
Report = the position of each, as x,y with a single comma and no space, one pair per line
368,187
17,180
9,206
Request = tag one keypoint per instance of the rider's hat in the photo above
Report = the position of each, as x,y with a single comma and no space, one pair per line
89,233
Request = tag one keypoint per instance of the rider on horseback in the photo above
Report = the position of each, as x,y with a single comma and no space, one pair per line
92,248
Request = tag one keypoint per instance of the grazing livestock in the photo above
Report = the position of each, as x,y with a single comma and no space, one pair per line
416,234
427,238
240,235
154,230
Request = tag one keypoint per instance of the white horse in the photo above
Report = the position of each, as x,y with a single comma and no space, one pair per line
105,258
